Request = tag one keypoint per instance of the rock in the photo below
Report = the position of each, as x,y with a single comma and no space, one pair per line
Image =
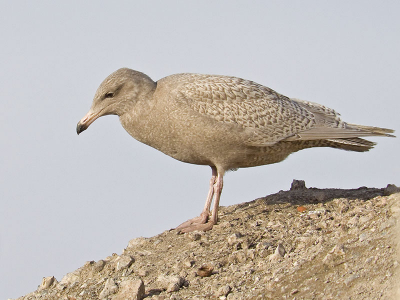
339,249
238,241
171,283
195,236
350,279
236,296
363,236
223,291
343,205
264,245
136,242
98,266
130,289
109,288
47,282
205,271
71,278
298,185
278,254
280,250
390,189
235,238
333,257
124,262
188,263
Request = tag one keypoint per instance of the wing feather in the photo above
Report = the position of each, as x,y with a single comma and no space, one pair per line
266,116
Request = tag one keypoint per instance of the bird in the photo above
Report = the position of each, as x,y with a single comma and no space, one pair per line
224,122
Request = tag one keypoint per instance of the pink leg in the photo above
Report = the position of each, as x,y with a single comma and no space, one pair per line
217,190
203,218
200,223
210,191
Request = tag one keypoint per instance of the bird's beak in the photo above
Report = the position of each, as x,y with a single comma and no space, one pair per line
85,122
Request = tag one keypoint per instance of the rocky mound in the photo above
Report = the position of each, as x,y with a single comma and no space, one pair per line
297,244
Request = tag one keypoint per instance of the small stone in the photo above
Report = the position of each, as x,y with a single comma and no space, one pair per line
338,249
369,260
136,242
171,283
280,250
278,254
234,238
98,266
298,185
236,296
47,282
195,236
188,263
70,278
205,271
223,291
363,236
156,242
274,257
124,262
251,254
343,205
364,219
350,279
256,223
293,292
301,209
328,259
241,256
390,189
130,290
354,221
264,245
109,288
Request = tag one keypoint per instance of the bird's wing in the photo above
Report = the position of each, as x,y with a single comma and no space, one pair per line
266,116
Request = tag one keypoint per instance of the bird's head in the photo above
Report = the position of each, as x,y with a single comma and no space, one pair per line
116,95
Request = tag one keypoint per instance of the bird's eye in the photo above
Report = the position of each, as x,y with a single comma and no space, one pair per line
109,95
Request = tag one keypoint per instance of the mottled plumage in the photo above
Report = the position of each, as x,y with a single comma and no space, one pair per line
221,121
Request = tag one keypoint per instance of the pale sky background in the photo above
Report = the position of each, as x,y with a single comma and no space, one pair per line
66,199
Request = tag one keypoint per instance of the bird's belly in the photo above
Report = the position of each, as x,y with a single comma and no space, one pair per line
205,145
230,156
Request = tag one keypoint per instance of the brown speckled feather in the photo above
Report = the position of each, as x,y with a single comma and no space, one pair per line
270,116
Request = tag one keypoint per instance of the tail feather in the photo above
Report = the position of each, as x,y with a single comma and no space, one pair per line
352,144
348,131
374,131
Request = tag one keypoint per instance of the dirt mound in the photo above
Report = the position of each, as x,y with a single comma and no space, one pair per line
296,244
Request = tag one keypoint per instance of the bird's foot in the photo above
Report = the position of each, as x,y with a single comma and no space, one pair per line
200,227
197,223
